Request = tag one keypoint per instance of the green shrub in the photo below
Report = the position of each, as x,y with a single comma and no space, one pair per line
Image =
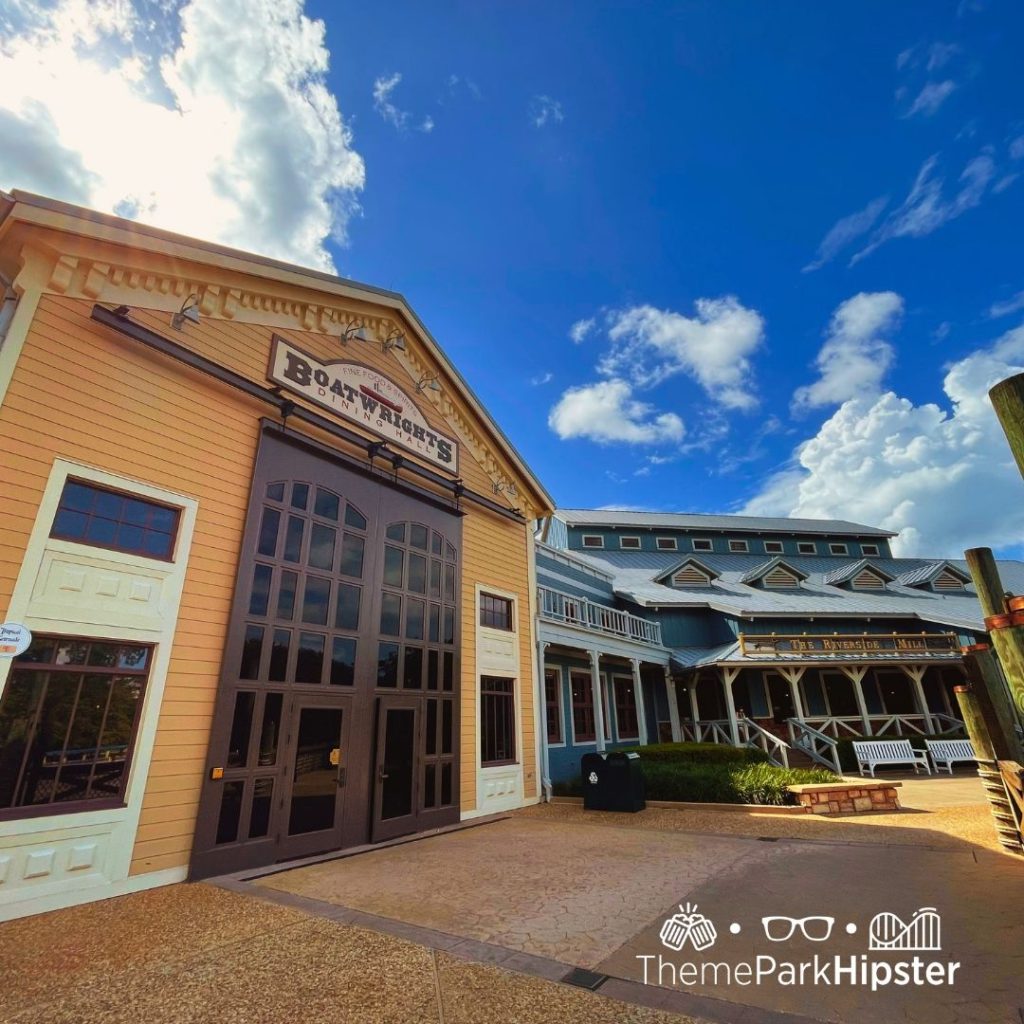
699,753
767,783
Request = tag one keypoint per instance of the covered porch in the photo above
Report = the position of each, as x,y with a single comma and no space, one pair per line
796,697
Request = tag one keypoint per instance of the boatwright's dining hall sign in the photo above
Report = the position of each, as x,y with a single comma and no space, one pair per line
361,394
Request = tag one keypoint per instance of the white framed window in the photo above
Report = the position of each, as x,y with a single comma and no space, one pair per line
870,550
739,547
838,549
666,544
807,547
773,547
593,540
629,543
702,544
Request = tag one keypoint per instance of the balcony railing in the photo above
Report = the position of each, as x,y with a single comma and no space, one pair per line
556,606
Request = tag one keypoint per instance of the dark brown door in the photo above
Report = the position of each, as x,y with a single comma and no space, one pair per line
396,796
318,755
781,695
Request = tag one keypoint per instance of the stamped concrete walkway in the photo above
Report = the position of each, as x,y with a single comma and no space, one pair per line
596,895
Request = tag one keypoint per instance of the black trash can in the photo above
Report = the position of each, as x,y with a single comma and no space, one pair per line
613,782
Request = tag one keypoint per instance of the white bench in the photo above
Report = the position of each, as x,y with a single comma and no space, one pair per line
948,751
870,753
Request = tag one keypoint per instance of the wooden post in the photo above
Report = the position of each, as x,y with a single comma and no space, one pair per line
988,769
987,681
1008,401
1008,641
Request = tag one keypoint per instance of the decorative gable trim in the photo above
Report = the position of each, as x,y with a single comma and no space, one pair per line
860,575
941,577
690,572
775,574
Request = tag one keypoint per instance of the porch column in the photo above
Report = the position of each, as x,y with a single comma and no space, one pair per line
729,676
856,674
673,705
916,675
595,686
694,707
793,676
638,689
540,718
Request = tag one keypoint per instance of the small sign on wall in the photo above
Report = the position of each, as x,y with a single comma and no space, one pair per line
361,394
14,639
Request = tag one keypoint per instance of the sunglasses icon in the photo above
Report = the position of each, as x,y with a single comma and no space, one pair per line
782,929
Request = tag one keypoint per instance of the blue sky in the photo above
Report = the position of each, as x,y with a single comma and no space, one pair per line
786,237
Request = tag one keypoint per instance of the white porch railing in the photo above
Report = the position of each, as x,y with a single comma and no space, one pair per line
834,726
817,745
948,723
556,606
713,730
752,735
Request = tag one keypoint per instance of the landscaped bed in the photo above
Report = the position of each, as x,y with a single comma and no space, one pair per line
714,773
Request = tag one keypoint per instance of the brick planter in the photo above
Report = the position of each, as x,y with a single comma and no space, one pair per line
849,797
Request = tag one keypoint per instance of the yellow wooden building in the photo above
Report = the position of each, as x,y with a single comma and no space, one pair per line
274,556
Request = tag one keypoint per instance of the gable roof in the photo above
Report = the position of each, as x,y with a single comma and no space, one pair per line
53,214
679,566
854,569
927,573
721,523
762,570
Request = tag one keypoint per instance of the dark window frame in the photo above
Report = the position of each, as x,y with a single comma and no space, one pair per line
58,808
553,707
623,709
582,710
498,721
497,612
125,495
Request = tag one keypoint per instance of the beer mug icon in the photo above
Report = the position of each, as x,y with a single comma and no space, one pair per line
688,926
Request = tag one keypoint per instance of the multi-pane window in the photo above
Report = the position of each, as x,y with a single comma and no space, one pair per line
109,519
67,721
869,549
496,612
773,547
497,720
553,704
738,546
629,543
593,540
838,549
702,544
666,543
625,709
807,547
583,727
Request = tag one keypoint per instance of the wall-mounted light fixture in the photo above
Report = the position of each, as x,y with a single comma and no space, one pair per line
189,312
396,340
427,384
355,332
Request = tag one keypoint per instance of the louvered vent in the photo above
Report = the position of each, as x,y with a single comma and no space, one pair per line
867,580
691,576
780,579
947,581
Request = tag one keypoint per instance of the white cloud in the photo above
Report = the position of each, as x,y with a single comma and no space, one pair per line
940,54
855,358
211,118
1016,148
544,110
931,97
607,412
927,208
383,87
845,230
713,347
581,329
1008,306
542,378
944,479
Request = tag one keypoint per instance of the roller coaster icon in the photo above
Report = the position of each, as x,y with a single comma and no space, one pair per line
921,932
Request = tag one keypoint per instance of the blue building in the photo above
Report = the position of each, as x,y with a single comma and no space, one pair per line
786,634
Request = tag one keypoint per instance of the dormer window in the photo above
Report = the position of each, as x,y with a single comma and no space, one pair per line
869,549
702,545
593,540
773,547
946,581
807,547
629,543
867,580
666,543
691,576
838,549
780,578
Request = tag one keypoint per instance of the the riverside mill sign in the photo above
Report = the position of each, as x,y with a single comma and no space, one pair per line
845,644
363,395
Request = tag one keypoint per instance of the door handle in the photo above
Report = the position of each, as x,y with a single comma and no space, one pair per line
381,774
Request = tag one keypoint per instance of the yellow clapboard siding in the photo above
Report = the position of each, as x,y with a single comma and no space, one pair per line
142,865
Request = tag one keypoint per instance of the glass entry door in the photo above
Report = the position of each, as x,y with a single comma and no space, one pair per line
397,747
318,759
